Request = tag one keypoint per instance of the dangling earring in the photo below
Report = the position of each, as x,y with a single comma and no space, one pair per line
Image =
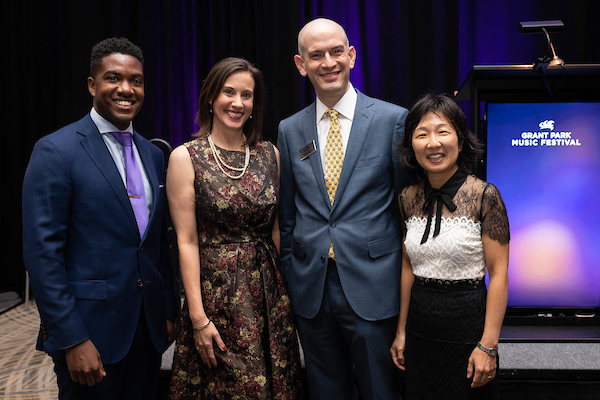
210,104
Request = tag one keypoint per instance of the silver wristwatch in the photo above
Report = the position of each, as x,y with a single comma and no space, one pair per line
490,352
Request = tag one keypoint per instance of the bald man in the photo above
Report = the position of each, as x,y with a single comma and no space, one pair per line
341,243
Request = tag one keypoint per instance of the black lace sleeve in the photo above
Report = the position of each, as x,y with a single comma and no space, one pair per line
494,219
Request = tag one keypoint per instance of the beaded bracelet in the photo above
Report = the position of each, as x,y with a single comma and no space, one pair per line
203,326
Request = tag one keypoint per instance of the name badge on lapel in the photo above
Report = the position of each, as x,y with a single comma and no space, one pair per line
307,150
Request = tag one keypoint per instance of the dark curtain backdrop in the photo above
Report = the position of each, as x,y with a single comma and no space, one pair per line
404,48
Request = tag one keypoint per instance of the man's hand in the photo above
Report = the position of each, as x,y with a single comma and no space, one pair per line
84,363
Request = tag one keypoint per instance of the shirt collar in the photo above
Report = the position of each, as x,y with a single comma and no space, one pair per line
104,126
345,106
443,195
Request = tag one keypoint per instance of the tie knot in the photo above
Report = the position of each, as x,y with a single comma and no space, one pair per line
125,138
331,113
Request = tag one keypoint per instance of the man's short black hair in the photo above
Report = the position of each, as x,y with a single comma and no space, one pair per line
113,45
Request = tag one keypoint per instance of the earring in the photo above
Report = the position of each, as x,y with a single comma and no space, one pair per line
250,116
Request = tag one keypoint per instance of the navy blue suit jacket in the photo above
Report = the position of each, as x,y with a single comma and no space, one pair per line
362,223
91,273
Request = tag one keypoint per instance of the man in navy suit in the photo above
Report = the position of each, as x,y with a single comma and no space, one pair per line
346,298
101,277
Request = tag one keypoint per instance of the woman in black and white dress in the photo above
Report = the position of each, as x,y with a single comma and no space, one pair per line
455,231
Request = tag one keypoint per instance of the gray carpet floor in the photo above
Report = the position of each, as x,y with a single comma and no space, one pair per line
25,374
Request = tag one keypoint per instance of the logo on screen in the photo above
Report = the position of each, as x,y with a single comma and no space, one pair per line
547,124
545,136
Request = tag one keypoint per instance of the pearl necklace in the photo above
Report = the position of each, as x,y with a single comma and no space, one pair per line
220,163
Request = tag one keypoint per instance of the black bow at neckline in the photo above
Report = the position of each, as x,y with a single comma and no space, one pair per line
443,195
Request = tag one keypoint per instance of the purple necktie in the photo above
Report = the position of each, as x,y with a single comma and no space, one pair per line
135,183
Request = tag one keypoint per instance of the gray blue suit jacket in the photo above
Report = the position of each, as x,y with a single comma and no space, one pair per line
91,272
362,223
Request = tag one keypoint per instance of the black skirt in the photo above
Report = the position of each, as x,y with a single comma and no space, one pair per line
445,322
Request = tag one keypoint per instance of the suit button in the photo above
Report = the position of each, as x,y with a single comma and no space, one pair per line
332,224
140,283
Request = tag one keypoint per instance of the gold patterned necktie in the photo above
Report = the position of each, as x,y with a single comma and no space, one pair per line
334,155
334,159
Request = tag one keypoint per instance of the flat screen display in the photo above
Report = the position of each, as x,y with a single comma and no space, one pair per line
545,160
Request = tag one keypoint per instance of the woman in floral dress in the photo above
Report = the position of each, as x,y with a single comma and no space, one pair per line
236,338
455,231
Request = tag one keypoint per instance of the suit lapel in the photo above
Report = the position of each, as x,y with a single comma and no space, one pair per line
148,164
361,125
95,147
309,130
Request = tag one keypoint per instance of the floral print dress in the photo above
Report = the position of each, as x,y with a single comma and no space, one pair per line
243,290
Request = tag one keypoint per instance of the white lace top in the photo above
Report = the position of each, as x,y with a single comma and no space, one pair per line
457,252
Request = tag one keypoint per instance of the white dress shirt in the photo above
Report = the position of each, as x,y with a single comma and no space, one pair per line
116,151
345,107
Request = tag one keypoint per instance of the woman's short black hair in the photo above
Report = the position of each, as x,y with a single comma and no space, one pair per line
441,105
